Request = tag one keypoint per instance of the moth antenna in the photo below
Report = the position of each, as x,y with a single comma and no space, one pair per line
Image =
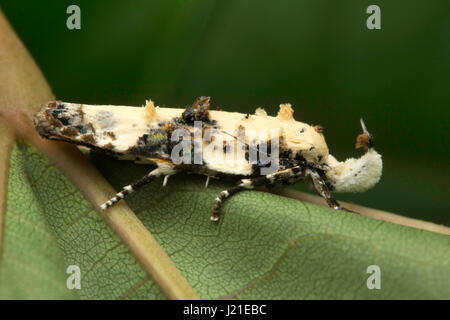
363,125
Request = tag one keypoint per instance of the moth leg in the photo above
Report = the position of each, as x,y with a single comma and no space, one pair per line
245,184
134,186
294,173
322,189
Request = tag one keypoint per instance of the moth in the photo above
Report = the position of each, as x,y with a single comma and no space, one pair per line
166,137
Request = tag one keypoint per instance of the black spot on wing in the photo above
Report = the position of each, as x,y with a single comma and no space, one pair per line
70,120
83,129
61,114
155,143
198,111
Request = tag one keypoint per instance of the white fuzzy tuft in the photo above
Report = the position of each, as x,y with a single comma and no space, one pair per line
355,175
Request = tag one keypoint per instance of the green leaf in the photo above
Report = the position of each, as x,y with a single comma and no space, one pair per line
264,247
50,226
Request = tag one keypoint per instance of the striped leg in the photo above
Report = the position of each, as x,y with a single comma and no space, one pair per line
289,175
323,190
245,184
132,187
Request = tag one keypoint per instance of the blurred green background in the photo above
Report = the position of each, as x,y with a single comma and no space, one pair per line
316,54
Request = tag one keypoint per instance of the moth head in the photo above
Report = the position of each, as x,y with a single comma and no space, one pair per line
356,175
